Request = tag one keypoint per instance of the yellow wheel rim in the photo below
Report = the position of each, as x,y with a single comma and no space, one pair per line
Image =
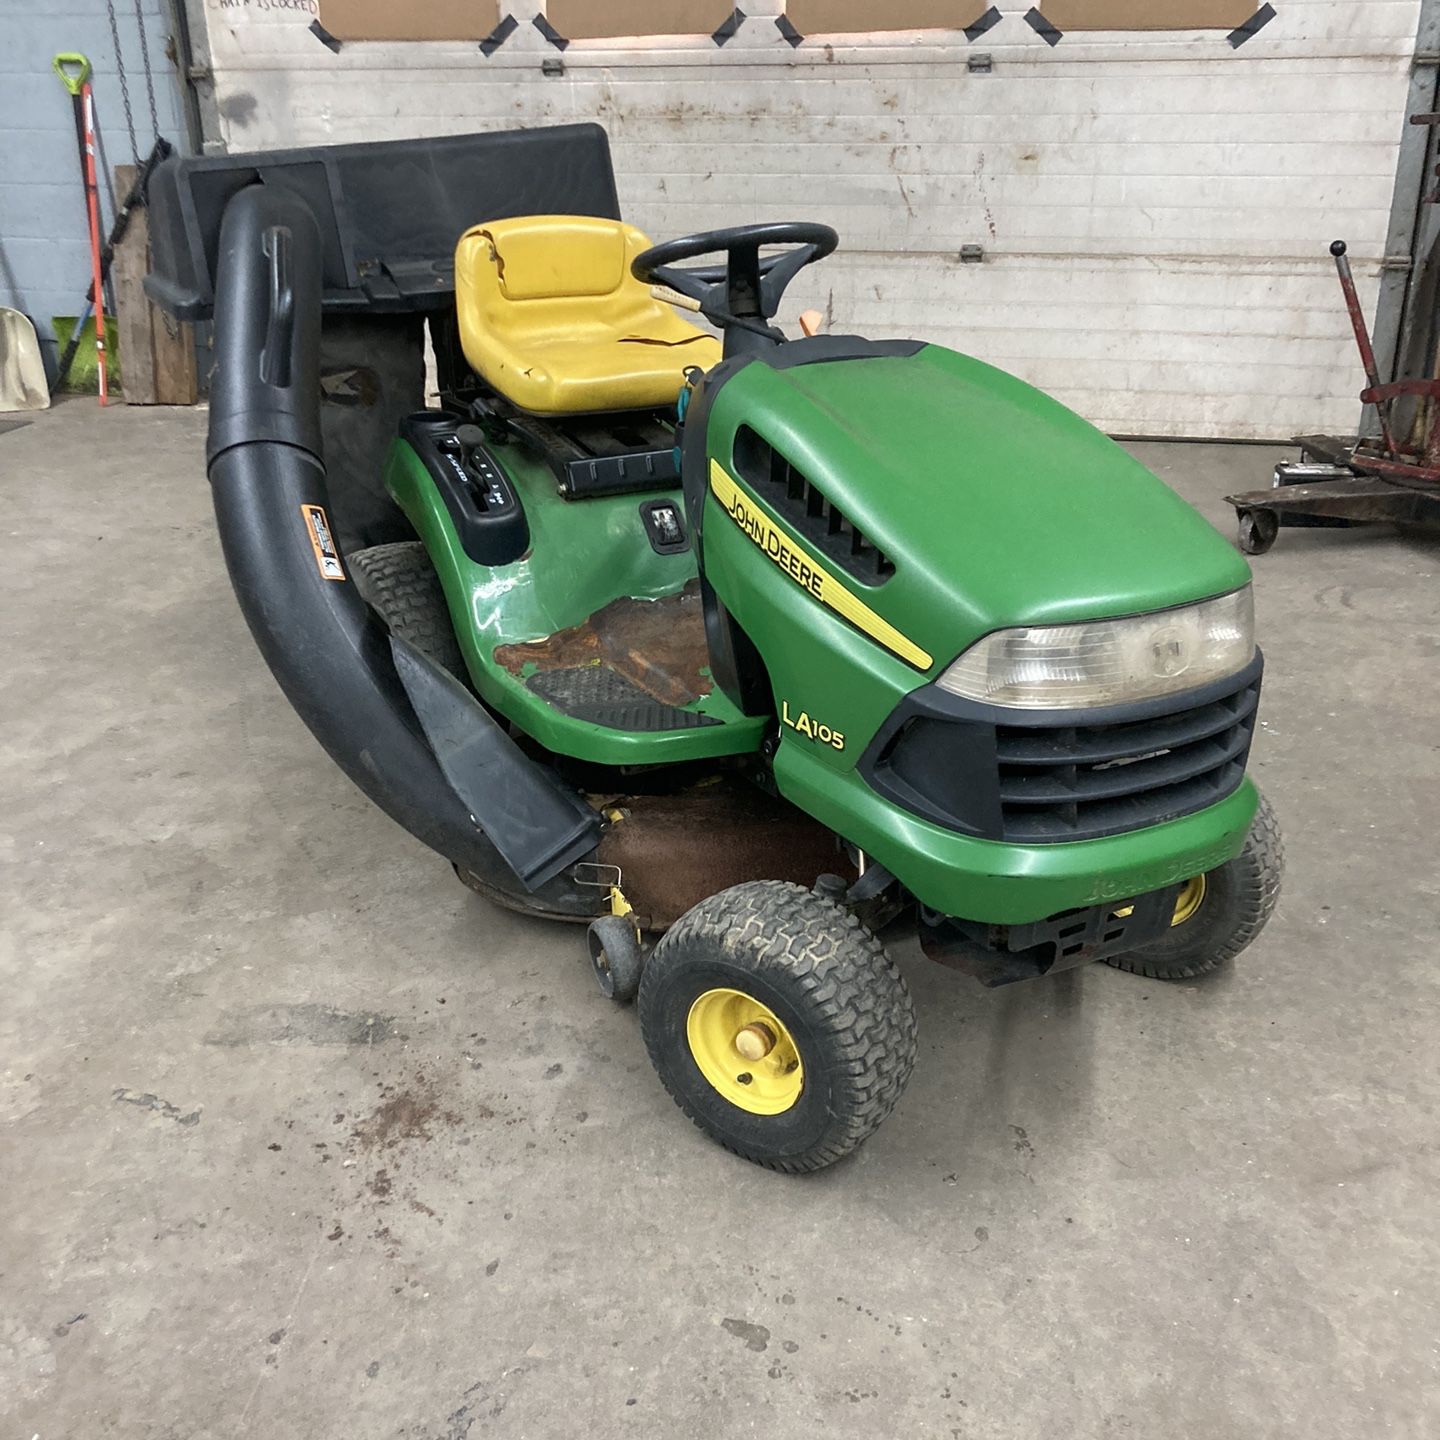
1188,901
745,1052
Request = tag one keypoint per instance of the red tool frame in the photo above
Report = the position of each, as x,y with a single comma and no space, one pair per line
92,201
74,72
1339,483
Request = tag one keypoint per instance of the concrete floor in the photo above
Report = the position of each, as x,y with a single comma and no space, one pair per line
302,1139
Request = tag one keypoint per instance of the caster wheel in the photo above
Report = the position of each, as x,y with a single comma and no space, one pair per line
1258,530
615,957
778,1024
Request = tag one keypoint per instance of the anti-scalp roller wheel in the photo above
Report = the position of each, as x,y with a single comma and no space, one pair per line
616,957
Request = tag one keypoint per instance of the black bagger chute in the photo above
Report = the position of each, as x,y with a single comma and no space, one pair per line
279,248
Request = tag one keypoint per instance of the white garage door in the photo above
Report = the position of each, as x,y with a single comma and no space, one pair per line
1151,209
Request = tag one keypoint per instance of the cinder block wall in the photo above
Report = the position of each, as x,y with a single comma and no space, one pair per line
44,238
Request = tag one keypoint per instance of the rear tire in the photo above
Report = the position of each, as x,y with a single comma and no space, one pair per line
372,374
400,584
808,975
1239,898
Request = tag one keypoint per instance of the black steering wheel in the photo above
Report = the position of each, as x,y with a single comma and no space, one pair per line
741,295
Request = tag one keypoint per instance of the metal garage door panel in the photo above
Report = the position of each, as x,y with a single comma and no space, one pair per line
1154,210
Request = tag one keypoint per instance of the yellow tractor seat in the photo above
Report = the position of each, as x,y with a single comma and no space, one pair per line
552,318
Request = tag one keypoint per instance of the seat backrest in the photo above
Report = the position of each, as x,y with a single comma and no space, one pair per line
546,258
545,272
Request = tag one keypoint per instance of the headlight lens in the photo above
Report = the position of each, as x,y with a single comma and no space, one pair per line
1108,662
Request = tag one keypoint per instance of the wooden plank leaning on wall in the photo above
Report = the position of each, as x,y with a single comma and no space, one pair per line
157,352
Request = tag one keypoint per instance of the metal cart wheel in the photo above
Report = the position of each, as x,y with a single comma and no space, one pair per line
1258,530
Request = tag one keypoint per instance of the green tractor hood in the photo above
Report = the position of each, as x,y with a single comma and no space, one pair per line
868,519
996,505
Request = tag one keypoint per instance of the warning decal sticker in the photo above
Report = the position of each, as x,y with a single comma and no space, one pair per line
322,542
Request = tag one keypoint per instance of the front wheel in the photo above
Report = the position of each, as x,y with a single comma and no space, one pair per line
778,1024
1220,913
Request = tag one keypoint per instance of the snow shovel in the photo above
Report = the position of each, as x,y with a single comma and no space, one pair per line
22,372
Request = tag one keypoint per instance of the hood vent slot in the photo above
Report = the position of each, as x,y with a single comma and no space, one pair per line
806,509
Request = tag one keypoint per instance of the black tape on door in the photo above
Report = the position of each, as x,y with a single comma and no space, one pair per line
551,33
324,36
988,21
728,29
792,36
1043,28
498,36
1257,22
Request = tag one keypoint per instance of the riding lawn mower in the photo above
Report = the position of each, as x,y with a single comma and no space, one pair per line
743,652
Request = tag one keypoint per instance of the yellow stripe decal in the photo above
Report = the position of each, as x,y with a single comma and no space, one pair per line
806,571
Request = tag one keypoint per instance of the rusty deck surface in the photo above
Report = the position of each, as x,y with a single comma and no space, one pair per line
674,850
657,645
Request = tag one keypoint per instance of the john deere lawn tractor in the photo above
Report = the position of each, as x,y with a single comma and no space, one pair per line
760,646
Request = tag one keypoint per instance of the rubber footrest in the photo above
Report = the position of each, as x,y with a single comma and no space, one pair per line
605,697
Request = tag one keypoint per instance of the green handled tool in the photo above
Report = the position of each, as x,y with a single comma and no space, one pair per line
74,72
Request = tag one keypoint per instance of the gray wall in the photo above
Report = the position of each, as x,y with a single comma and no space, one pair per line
44,244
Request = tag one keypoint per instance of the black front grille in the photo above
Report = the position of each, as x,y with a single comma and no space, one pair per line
1082,782
1048,776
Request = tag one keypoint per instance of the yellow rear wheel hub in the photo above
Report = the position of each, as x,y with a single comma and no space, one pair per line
744,1051
1188,901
